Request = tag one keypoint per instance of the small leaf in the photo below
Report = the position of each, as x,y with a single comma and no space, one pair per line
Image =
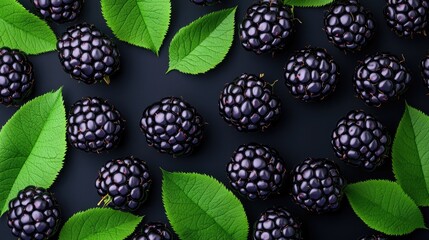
385,207
23,30
410,155
203,44
32,146
200,207
308,3
143,23
99,224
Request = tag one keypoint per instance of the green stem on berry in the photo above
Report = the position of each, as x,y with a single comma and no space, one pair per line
107,79
105,200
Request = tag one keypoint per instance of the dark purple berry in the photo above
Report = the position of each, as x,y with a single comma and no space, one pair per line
407,17
374,237
154,231
124,183
277,223
425,70
59,11
249,103
205,2
16,76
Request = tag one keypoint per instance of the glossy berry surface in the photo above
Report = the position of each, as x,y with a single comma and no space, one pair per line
361,140
266,26
172,126
249,103
154,231
424,65
311,74
87,54
374,237
407,17
59,11
94,125
16,76
349,26
277,223
34,214
381,78
317,185
256,171
124,183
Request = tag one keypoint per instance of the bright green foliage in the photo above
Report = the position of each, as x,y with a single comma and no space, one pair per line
308,3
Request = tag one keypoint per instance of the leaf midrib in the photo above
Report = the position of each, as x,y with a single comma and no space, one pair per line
152,43
214,219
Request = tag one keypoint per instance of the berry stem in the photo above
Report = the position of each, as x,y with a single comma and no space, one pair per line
107,79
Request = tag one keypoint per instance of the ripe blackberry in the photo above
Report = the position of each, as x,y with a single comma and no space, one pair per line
277,223
425,70
154,231
172,126
16,76
94,125
311,74
256,171
374,237
266,26
317,185
124,183
361,140
349,26
59,11
249,103
380,78
33,214
87,54
205,2
407,17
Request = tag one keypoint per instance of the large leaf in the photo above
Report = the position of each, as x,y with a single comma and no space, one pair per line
385,207
199,207
99,224
411,155
22,30
32,146
204,43
308,3
143,23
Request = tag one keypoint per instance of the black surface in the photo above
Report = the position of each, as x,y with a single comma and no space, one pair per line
303,131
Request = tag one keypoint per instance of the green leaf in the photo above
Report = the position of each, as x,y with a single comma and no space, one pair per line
99,224
143,23
203,44
308,3
23,30
385,207
411,155
32,146
200,207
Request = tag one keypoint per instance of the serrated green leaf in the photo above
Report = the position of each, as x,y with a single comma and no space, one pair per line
385,207
410,155
143,23
200,207
203,44
99,224
308,3
32,146
23,30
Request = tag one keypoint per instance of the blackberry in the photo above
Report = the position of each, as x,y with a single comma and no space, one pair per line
380,78
311,74
33,214
317,185
59,11
374,237
205,2
361,140
425,70
407,17
266,26
172,126
256,171
124,183
249,103
16,76
277,223
154,231
349,26
94,125
87,54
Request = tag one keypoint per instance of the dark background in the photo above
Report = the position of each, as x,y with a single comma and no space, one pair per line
303,131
